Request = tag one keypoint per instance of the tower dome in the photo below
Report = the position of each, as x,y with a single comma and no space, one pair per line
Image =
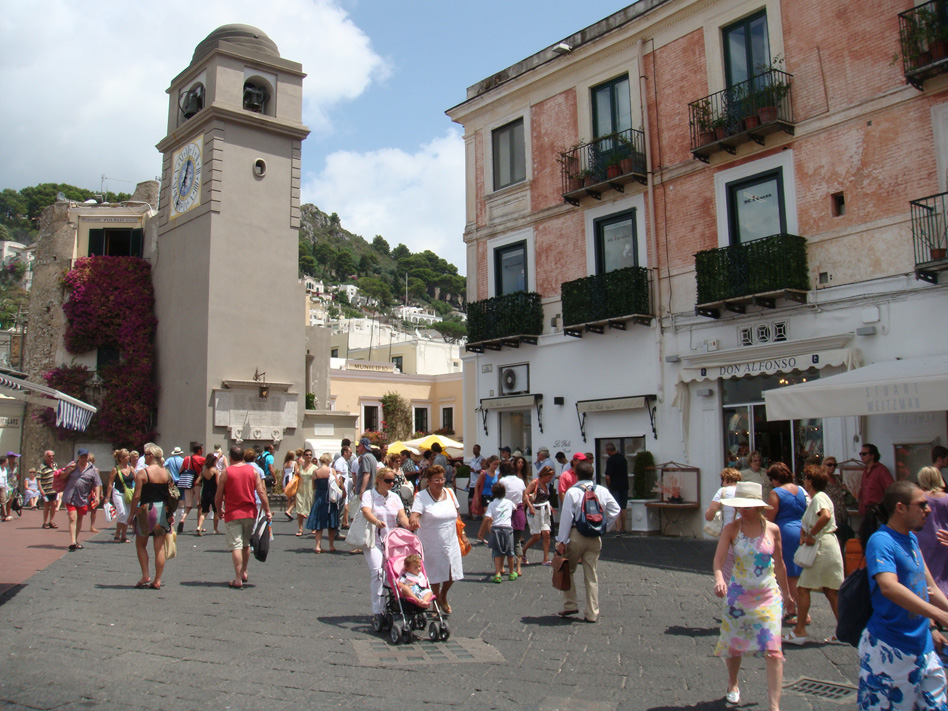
242,35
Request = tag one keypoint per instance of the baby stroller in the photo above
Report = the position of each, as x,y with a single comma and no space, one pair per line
402,616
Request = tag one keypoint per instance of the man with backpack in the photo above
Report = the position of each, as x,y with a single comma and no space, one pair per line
587,511
265,462
897,658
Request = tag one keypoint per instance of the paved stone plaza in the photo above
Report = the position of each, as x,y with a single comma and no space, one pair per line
77,635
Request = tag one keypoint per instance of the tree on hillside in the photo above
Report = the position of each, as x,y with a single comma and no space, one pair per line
4,234
380,245
451,331
377,289
400,252
368,263
308,265
343,265
324,254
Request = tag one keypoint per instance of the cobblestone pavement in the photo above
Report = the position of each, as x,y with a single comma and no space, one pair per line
77,635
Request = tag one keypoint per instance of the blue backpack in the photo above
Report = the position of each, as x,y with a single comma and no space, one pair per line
591,522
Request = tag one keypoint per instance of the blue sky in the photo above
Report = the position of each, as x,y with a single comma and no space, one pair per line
381,73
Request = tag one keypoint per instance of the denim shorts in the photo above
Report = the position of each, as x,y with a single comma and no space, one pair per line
501,542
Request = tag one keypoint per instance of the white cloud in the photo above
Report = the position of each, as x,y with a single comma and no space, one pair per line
413,198
85,83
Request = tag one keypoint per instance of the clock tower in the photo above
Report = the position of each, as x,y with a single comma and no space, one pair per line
231,348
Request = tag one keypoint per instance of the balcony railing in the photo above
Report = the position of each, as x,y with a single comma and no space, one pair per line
516,318
930,236
609,162
748,111
613,298
759,272
923,32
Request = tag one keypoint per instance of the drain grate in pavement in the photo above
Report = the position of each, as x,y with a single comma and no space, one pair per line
822,689
376,652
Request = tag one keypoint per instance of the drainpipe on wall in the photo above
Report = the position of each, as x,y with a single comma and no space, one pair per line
650,182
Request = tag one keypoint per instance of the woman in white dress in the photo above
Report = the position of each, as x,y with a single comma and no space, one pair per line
121,479
433,517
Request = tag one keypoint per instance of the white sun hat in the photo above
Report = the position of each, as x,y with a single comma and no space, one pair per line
747,494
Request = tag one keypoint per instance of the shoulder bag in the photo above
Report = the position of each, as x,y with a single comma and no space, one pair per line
335,493
361,532
463,541
715,525
291,488
173,497
805,556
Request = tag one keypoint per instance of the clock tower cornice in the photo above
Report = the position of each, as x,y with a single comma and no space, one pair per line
208,115
258,59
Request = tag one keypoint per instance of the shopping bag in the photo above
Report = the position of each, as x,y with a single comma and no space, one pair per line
171,545
361,532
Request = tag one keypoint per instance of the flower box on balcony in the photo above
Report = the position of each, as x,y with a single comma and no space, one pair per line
611,298
509,319
923,35
758,272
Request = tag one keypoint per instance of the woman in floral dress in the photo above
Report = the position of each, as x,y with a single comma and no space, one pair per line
751,619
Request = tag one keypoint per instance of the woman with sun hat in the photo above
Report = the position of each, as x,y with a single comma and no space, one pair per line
751,619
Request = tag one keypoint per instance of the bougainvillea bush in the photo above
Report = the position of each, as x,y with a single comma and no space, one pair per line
112,305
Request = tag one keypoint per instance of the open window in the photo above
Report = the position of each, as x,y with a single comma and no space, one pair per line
114,242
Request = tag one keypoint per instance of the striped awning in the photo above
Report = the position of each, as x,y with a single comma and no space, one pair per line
72,414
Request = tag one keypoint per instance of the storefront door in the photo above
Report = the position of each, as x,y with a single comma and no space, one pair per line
746,428
516,431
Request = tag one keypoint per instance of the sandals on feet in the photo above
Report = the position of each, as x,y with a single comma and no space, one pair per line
792,637
495,579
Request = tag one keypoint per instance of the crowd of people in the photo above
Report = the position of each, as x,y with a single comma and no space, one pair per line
780,537
782,540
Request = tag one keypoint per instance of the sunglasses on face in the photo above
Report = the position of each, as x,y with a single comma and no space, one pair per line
831,465
389,481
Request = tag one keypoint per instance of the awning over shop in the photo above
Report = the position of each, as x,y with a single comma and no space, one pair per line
884,388
71,413
612,404
738,364
512,402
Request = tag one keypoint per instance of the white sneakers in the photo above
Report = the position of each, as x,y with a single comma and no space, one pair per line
733,697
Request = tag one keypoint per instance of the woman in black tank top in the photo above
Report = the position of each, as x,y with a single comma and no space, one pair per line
148,511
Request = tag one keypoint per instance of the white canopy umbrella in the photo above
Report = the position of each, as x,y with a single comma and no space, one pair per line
885,388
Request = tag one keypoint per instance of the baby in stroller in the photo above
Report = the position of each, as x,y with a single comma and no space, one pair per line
410,604
413,584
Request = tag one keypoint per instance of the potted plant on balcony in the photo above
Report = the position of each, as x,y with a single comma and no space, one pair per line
643,519
774,88
702,121
589,177
934,234
568,158
614,166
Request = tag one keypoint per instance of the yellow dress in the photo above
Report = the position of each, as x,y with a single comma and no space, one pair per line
305,493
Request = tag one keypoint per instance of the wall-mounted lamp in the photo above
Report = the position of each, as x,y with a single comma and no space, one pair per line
562,48
264,391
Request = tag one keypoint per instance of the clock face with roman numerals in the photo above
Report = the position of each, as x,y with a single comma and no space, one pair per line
186,178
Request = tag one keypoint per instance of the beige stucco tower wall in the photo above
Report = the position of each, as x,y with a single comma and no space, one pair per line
225,258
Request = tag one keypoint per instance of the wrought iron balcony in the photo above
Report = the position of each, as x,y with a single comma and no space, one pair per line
930,236
613,299
609,162
507,320
756,272
749,111
923,32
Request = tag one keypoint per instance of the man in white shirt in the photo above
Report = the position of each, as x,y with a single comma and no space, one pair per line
577,547
477,463
341,467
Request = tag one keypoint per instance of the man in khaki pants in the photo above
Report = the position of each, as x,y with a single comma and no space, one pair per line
577,547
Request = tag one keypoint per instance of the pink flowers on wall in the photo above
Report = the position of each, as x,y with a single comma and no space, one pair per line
112,306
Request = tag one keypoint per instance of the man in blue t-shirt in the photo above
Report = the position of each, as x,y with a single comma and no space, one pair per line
898,666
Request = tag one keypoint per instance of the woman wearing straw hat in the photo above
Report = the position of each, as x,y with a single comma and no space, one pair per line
751,619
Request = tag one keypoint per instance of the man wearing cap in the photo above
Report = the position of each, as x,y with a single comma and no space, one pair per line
363,475
505,454
617,479
173,463
579,548
568,476
897,658
83,489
